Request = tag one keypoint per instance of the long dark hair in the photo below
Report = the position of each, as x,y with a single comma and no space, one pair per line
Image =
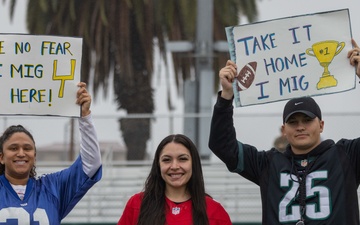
6,135
153,205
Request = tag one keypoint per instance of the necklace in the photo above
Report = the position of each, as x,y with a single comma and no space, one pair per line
301,177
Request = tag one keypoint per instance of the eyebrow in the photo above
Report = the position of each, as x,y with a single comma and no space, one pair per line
185,154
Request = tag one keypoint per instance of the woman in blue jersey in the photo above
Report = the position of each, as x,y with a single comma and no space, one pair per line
26,199
314,181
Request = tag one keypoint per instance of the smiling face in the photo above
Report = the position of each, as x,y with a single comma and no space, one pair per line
18,157
303,132
175,165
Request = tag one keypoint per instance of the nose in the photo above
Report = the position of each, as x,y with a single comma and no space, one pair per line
174,165
300,126
21,152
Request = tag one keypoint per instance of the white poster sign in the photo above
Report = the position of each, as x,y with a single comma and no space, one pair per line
39,75
292,57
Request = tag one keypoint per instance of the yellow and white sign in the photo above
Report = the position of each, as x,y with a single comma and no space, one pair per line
292,57
39,75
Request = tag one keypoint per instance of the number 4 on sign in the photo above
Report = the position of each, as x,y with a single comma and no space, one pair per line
63,78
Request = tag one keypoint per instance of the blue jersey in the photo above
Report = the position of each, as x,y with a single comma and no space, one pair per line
48,199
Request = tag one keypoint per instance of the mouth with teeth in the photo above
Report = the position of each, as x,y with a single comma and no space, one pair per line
20,162
176,176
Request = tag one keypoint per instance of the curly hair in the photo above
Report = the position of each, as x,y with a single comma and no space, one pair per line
6,135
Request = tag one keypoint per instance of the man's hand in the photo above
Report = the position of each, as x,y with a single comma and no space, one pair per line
354,56
227,75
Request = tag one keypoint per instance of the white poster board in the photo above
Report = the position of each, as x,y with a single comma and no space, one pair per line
291,57
39,75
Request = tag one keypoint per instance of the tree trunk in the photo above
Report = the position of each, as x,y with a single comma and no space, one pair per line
135,95
135,134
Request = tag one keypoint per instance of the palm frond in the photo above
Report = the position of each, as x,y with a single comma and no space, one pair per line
12,8
161,19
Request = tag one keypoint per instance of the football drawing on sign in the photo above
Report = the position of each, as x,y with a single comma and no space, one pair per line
325,51
246,76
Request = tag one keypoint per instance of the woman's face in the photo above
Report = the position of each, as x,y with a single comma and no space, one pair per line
175,165
18,156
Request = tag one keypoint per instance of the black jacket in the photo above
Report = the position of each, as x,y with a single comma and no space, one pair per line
332,177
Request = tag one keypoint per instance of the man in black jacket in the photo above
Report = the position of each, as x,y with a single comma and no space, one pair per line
313,181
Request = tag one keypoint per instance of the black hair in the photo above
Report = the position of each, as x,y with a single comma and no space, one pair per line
153,205
6,135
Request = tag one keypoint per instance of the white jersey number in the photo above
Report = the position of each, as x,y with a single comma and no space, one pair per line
289,212
22,216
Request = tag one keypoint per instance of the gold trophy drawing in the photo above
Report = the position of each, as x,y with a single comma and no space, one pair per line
325,51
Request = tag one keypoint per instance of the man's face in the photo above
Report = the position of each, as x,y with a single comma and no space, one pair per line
302,132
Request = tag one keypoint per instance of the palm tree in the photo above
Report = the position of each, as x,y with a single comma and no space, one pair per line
118,37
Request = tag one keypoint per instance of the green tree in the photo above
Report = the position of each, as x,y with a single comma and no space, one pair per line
118,37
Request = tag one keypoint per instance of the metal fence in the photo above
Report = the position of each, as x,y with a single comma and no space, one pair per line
105,202
256,128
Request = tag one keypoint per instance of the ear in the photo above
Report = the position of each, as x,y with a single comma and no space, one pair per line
2,158
283,130
321,126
